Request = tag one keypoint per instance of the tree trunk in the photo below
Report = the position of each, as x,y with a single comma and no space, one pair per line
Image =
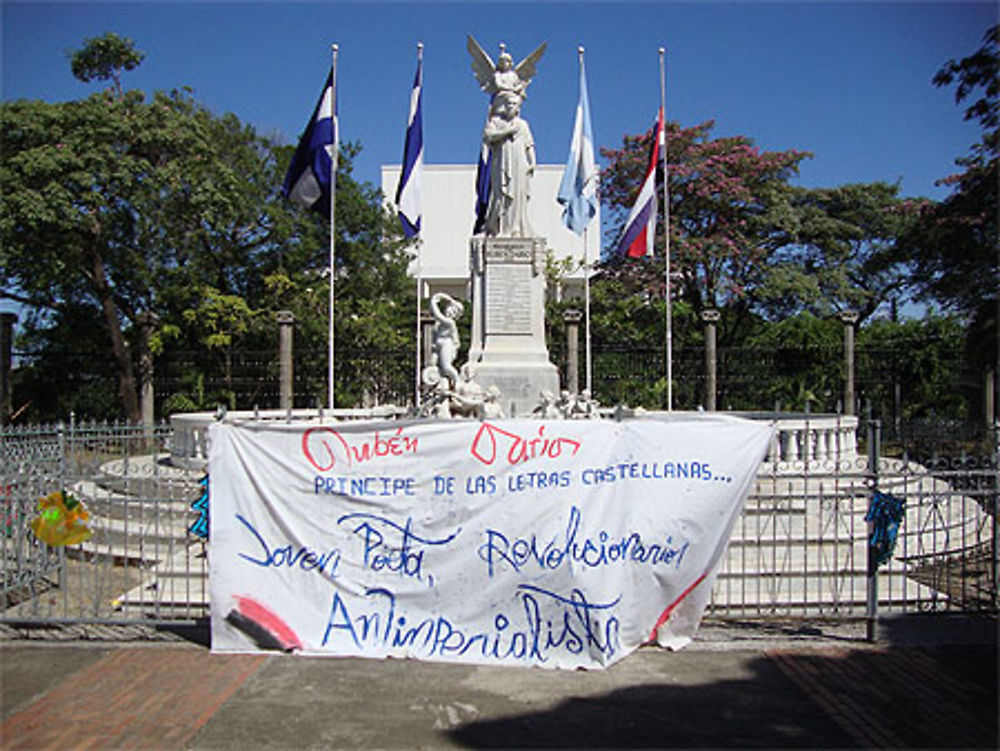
127,391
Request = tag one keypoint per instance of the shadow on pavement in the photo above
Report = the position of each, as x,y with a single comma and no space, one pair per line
938,628
199,633
828,698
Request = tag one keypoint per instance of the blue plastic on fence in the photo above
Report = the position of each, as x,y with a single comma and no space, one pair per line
200,527
886,514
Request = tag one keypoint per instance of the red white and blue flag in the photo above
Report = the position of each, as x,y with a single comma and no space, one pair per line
639,232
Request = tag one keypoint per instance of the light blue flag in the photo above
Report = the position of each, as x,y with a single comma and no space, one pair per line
578,190
408,194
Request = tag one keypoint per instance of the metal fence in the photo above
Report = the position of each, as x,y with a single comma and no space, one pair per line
800,548
804,543
142,563
759,378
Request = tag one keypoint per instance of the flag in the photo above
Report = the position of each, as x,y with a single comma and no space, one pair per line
578,190
408,198
640,228
308,181
482,188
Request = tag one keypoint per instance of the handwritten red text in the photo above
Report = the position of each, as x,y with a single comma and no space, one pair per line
491,440
325,447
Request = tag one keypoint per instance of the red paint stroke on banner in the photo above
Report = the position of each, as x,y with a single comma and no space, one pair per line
269,620
670,608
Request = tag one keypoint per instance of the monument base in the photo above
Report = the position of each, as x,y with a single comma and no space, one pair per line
520,383
507,347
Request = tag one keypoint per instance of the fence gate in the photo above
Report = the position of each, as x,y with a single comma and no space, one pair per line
807,544
141,563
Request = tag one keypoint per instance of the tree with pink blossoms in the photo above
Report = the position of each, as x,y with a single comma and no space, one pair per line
730,209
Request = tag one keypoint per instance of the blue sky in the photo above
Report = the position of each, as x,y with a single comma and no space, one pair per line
849,82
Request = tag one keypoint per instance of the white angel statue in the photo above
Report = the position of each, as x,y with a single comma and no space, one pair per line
506,133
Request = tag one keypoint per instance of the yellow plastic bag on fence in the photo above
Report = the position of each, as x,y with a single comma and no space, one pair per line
62,520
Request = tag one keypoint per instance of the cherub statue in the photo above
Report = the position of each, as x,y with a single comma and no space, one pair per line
503,76
506,133
584,407
547,407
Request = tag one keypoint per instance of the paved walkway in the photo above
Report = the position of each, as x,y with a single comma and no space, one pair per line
736,687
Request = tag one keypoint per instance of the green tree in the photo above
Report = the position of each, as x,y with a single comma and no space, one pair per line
125,205
730,208
105,57
128,206
116,205
839,252
955,245
912,369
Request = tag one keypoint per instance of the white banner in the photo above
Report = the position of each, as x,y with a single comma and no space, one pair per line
552,543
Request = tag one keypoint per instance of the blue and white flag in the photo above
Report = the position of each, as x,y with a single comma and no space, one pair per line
482,188
309,180
408,194
578,190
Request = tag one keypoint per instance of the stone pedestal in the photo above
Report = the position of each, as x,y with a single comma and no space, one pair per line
507,347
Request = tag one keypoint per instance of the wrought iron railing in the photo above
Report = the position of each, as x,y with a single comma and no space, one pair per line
800,548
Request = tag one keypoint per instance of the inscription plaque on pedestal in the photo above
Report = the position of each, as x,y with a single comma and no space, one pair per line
508,300
507,347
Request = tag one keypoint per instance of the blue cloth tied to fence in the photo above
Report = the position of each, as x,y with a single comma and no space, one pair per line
885,513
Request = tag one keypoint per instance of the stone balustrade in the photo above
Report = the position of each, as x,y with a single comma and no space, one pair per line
189,442
802,442
812,442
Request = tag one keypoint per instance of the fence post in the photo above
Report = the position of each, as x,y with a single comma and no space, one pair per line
286,319
995,544
572,320
147,322
850,318
871,582
989,397
710,317
7,321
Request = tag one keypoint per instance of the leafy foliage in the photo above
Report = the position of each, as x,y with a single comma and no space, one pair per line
840,253
117,205
911,369
954,246
729,207
105,57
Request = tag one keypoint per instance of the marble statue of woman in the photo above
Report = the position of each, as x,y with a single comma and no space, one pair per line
446,310
508,137
512,147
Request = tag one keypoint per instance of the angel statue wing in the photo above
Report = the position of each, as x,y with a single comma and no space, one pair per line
527,67
482,64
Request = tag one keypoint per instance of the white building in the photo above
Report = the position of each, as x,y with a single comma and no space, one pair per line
449,214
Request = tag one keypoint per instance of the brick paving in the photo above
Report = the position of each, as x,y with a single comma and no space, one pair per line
131,698
907,698
783,695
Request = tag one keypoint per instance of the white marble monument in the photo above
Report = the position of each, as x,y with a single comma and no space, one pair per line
507,348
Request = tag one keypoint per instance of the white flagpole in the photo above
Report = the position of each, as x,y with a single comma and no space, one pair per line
420,271
586,309
666,233
333,203
420,333
586,286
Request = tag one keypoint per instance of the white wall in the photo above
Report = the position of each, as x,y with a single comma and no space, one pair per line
449,204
